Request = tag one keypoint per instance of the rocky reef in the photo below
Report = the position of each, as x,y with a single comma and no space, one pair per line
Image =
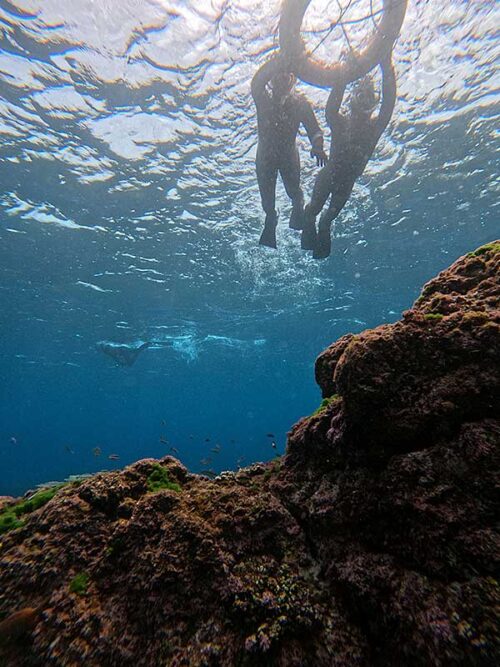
373,541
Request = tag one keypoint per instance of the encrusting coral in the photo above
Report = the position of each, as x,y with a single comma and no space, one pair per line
373,541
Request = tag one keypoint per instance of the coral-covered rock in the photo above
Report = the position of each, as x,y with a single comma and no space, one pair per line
372,542
326,363
419,379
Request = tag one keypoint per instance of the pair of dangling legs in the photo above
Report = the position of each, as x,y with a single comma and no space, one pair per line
325,185
267,175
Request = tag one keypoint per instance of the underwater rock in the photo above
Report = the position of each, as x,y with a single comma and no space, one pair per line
373,542
405,384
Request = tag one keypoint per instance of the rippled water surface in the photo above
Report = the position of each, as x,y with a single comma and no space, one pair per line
129,211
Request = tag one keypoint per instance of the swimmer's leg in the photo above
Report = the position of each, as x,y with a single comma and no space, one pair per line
323,246
322,188
290,173
266,177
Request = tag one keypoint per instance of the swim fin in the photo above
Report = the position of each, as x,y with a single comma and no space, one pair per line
308,237
268,236
323,245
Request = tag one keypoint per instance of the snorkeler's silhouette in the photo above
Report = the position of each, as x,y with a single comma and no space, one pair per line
354,137
124,355
280,112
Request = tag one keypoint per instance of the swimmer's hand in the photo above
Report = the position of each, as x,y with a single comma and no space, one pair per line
320,155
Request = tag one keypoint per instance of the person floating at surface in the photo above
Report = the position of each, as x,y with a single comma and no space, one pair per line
280,112
354,137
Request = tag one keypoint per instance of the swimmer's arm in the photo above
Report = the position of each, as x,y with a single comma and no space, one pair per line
310,122
262,77
314,132
388,94
333,104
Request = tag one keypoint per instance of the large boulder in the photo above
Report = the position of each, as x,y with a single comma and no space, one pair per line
403,385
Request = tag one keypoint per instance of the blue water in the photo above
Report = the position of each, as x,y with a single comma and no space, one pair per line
129,211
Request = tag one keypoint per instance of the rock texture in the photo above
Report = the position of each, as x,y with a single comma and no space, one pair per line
372,542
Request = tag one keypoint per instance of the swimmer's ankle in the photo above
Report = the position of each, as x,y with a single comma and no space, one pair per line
298,202
309,219
271,219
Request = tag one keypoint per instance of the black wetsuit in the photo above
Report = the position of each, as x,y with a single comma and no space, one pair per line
354,138
278,122
352,146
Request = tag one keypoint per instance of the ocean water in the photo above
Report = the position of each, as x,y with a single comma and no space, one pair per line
129,212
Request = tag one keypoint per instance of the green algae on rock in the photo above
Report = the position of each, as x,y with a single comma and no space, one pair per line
79,583
324,404
10,516
9,521
487,248
160,479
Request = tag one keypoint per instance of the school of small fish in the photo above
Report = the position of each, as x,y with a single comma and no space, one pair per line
205,461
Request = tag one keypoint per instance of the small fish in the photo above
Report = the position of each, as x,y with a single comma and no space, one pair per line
97,451
207,439
68,449
163,439
270,435
273,445
163,422
13,440
206,461
191,437
113,457
216,449
174,450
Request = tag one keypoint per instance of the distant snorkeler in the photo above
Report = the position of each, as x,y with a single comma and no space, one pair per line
280,112
354,137
124,355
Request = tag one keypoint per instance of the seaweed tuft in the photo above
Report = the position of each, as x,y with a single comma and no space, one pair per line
10,516
160,479
489,247
79,583
325,403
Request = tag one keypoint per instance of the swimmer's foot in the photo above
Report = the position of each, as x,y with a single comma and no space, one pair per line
297,216
323,245
268,236
308,237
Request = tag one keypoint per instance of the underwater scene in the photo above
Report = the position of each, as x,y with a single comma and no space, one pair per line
131,213
239,429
